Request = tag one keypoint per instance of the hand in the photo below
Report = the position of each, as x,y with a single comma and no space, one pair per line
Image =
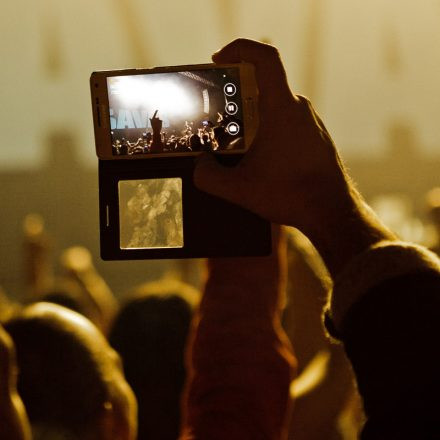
292,166
156,123
292,173
77,260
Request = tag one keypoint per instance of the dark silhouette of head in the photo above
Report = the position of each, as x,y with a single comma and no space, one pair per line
150,334
67,292
220,136
70,379
195,142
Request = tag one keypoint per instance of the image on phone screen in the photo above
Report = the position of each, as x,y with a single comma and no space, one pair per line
176,112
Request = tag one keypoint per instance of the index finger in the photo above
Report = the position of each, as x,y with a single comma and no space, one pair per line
269,68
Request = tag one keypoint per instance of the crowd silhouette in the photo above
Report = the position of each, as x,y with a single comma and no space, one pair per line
205,136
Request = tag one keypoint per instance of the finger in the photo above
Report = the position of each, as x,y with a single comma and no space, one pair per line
269,69
218,180
155,113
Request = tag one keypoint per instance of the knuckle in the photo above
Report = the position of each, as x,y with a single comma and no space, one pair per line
303,101
304,106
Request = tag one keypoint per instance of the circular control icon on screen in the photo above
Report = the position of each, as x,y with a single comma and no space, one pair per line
232,128
231,108
230,89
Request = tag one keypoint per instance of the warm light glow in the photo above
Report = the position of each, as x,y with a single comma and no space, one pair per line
312,376
165,95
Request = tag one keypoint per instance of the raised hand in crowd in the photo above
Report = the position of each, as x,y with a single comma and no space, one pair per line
97,297
156,125
37,256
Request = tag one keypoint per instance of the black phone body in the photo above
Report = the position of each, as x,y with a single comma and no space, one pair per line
156,212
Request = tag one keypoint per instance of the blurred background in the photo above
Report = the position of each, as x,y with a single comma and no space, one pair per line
372,70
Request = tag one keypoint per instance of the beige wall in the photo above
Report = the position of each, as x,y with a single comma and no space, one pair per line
369,66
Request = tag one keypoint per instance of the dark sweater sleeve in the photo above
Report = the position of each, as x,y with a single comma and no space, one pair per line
391,334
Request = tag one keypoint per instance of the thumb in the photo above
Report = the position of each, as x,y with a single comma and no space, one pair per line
218,180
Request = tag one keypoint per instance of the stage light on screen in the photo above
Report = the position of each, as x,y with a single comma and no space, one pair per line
158,93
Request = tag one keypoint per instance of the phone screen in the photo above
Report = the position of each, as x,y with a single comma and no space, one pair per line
176,112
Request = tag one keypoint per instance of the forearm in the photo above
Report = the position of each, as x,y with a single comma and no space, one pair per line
241,362
99,297
38,267
96,294
344,226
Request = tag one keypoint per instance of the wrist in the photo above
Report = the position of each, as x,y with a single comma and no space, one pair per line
345,227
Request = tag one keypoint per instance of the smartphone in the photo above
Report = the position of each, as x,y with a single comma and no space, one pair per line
174,111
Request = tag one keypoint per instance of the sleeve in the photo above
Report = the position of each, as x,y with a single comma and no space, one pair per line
385,308
241,363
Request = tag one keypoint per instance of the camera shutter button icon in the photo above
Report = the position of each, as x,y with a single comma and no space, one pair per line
232,128
230,89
